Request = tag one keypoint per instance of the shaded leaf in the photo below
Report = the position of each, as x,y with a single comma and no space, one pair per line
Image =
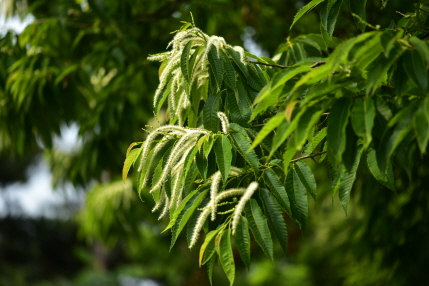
184,61
222,148
242,237
226,257
243,145
307,178
272,181
304,10
211,107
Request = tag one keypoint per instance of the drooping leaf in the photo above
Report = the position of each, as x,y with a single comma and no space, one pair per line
242,238
216,65
202,164
421,47
277,188
239,113
329,14
243,145
382,177
222,148
275,218
416,69
259,227
304,10
346,181
211,107
185,215
267,128
226,257
297,197
421,128
362,116
129,161
337,122
208,247
307,178
349,155
184,61
316,141
230,75
237,60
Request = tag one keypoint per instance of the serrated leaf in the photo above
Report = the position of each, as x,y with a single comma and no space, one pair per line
298,198
349,154
274,121
316,141
337,122
238,114
307,178
259,227
362,117
184,61
207,147
416,69
129,161
242,238
202,164
275,218
421,128
236,58
243,145
230,75
210,268
329,14
380,176
211,107
226,257
304,10
279,137
222,148
216,65
305,125
421,47
346,181
272,181
185,215
208,248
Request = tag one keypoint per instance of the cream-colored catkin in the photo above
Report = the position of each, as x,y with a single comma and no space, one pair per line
216,179
240,206
224,122
199,225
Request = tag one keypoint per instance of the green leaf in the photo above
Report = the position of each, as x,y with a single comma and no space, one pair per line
240,113
216,65
184,61
316,141
202,164
329,14
275,218
129,161
349,154
377,72
185,215
222,148
280,136
267,128
362,116
210,268
230,75
242,237
243,145
305,125
307,178
416,69
304,10
421,128
297,197
384,178
208,247
267,98
225,254
236,58
358,7
211,107
347,179
337,122
421,47
208,144
272,181
259,227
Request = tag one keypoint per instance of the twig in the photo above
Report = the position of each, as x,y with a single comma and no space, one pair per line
308,156
258,125
271,65
405,16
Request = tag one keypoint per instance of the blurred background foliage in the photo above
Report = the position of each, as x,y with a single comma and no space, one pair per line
83,63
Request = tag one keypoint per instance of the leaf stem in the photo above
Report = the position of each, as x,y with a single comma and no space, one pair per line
271,65
308,156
